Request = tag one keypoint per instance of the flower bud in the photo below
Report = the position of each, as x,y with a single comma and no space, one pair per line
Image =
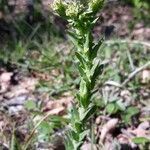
73,9
60,7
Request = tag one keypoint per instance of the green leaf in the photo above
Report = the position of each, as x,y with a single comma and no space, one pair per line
84,117
74,115
132,111
74,135
72,36
59,119
71,143
84,94
83,134
77,145
98,70
121,105
78,126
81,70
96,48
84,75
94,21
45,127
68,141
112,108
30,105
88,43
95,65
141,140
78,97
126,118
129,113
81,59
83,100
83,88
95,72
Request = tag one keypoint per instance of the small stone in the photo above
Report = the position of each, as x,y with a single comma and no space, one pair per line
145,76
5,77
20,100
12,110
15,110
15,92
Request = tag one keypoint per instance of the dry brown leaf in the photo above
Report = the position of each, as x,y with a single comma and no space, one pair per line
29,83
109,126
144,125
141,33
57,111
58,106
4,87
142,130
123,139
5,81
5,77
88,146
141,133
15,92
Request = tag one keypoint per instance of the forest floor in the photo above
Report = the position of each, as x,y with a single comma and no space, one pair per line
26,97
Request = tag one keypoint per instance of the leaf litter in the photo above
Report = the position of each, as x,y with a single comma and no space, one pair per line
109,131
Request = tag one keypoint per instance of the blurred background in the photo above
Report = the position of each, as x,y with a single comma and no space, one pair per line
29,26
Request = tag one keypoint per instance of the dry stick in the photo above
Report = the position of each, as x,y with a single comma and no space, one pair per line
144,43
113,83
34,129
135,72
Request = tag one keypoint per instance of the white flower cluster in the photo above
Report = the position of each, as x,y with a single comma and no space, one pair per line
71,8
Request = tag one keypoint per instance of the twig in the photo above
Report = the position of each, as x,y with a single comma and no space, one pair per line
113,83
144,43
135,72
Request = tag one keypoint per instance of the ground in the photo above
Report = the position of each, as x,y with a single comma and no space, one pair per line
35,102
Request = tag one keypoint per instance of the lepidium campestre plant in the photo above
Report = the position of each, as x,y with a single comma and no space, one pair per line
81,17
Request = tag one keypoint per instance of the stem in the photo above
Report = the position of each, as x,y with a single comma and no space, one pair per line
81,16
29,139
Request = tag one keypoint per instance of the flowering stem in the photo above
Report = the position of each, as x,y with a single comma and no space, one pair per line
81,16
